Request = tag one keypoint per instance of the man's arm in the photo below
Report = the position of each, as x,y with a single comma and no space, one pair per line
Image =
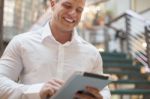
10,68
12,90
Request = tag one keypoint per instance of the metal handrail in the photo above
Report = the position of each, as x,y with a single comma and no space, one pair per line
129,13
136,47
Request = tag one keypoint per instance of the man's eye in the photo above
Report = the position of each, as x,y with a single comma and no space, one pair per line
67,6
79,10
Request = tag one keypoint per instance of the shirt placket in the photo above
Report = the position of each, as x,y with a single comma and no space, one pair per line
60,62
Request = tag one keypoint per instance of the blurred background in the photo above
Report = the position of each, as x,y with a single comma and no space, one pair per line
119,29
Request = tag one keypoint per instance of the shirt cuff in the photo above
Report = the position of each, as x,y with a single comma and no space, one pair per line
33,92
105,93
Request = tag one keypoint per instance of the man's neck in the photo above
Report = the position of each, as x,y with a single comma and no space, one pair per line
60,35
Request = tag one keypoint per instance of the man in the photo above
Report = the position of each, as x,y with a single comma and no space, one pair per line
36,64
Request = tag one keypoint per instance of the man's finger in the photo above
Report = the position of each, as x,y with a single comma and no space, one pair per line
93,91
61,82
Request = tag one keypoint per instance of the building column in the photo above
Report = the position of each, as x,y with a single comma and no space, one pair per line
1,26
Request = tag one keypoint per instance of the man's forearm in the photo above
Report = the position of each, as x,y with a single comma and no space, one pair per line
12,90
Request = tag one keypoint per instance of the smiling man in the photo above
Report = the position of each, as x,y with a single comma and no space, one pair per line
36,64
66,15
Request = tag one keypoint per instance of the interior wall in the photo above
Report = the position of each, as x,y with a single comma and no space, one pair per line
140,5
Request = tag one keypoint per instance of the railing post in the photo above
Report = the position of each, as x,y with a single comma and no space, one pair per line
107,38
147,38
1,26
128,31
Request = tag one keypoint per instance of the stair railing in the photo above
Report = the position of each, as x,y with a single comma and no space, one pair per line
136,33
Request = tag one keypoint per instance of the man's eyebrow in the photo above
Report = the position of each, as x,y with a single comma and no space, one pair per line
66,3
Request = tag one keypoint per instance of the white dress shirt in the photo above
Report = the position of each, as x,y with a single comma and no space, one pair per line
32,58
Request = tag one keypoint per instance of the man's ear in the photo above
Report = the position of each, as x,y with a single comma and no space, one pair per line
52,3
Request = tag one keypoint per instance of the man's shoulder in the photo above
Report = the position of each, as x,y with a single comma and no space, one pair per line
26,37
29,35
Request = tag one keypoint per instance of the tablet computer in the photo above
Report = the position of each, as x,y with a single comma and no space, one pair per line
78,81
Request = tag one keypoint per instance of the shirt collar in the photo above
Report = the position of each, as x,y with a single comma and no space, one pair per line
46,33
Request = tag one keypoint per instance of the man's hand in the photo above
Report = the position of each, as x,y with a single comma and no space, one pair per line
88,93
50,88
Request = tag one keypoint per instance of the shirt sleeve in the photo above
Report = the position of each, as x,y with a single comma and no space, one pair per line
98,68
10,68
33,92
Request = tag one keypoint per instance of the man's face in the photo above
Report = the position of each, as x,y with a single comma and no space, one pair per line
67,13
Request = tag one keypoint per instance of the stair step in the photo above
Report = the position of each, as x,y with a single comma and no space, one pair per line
130,91
131,74
131,82
117,64
121,65
120,72
109,59
113,54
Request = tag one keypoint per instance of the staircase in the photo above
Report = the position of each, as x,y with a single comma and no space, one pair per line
130,80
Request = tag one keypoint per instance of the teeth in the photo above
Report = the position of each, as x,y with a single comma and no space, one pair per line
69,20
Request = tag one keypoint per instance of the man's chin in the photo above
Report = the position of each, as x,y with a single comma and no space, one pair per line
69,31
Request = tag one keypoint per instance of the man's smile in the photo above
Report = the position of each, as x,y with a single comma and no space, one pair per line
69,20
